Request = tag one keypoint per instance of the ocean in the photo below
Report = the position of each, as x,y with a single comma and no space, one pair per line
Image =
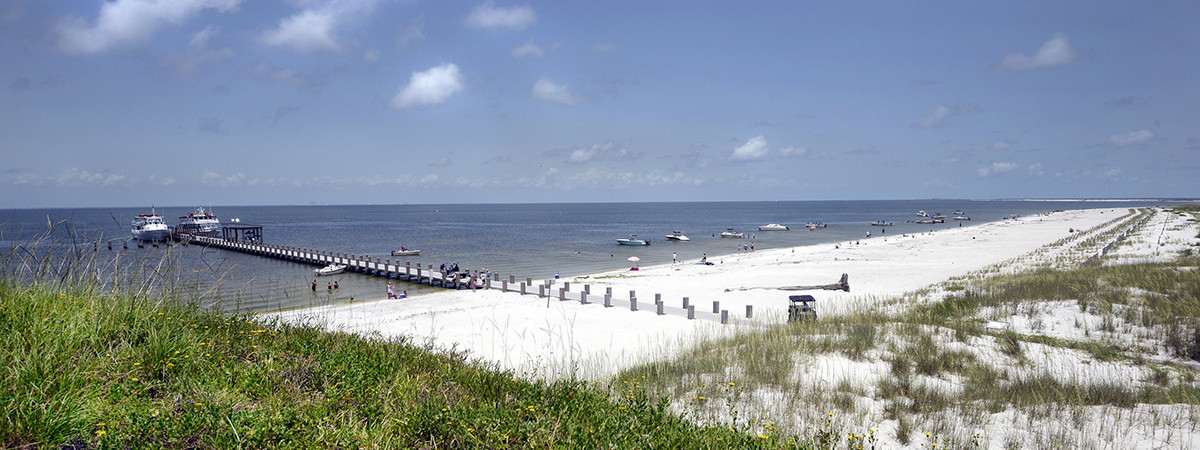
528,240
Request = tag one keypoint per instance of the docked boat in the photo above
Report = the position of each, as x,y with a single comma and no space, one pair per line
677,236
815,224
149,227
404,251
332,269
633,240
729,233
881,223
199,223
773,227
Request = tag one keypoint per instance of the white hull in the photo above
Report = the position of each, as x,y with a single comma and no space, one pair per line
152,234
406,252
673,237
732,235
149,227
332,269
773,227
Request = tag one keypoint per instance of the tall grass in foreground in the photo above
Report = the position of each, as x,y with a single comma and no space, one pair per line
93,360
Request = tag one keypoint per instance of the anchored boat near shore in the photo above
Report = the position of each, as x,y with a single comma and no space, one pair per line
633,240
149,227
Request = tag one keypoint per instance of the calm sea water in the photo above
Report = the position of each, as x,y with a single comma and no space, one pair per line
529,240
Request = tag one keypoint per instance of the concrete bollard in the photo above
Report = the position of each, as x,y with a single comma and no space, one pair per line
512,278
632,294
685,303
522,288
691,312
583,298
567,285
587,289
716,307
562,294
542,291
608,291
660,308
503,283
633,304
529,281
749,311
724,316
608,301
657,298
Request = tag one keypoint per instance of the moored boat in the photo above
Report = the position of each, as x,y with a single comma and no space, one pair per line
922,213
815,224
633,240
729,233
332,269
199,223
677,236
404,251
773,227
149,227
961,217
881,223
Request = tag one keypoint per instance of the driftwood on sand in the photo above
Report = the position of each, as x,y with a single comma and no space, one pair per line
842,285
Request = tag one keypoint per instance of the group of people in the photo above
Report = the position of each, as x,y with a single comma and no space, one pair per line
329,286
392,294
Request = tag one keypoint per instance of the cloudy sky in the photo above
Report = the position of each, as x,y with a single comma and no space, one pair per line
238,102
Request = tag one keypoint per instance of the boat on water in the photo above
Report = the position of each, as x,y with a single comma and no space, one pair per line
773,227
729,233
633,240
405,252
199,223
922,213
677,236
961,217
938,216
332,269
881,223
930,221
815,224
959,213
149,227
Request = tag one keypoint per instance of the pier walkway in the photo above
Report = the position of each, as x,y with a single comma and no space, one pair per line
462,279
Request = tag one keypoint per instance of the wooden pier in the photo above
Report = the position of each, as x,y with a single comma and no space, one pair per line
462,279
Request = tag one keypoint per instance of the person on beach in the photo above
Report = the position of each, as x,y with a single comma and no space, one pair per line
390,292
674,258
404,294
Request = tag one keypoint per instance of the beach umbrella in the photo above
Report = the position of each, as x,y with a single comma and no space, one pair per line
634,259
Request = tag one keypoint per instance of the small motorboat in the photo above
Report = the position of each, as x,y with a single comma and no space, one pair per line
815,224
961,217
939,216
677,236
729,233
959,213
633,240
922,213
930,221
773,227
332,269
405,252
881,223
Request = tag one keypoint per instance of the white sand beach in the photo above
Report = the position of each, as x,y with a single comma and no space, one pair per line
563,338
545,337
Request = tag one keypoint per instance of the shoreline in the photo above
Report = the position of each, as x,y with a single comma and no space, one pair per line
550,338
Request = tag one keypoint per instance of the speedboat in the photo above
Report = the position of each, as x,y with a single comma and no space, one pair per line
922,213
633,240
939,216
677,236
149,227
961,217
773,227
959,213
815,224
729,233
404,251
332,269
930,221
199,223
881,223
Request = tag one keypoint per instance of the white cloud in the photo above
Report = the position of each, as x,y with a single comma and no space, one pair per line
793,151
548,91
1055,52
936,119
996,168
411,33
754,148
131,22
198,52
1001,145
489,16
1130,138
529,49
583,155
431,87
200,39
313,30
306,32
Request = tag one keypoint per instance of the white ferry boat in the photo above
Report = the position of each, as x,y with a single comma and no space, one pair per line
199,223
149,227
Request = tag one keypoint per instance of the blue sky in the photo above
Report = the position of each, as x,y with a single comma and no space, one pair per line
237,102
